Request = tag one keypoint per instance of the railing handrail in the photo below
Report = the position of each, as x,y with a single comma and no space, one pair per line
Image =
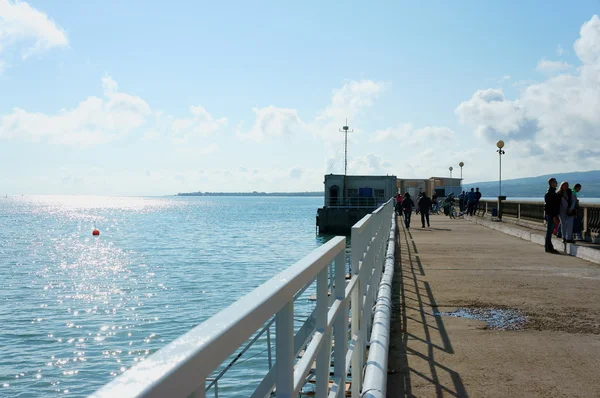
182,367
197,353
355,201
582,202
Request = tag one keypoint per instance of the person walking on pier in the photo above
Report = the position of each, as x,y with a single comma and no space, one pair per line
398,207
418,197
424,203
567,212
407,206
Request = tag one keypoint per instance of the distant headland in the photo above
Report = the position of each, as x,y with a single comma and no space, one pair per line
254,193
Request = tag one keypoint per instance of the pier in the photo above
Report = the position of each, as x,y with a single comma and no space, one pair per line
547,345
468,307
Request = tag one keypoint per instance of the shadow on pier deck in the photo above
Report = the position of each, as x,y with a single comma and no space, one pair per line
414,304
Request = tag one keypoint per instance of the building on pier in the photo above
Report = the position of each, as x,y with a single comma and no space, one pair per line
350,198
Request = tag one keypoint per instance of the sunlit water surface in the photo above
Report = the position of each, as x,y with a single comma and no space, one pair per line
78,310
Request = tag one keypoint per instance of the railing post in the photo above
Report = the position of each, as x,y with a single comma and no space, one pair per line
284,350
340,324
322,370
357,251
486,209
518,211
269,355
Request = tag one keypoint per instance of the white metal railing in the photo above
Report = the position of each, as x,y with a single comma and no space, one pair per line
375,380
355,202
183,367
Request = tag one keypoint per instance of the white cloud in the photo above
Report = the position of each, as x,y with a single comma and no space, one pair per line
546,66
407,134
296,173
587,46
557,118
494,117
31,30
560,50
94,121
504,79
100,120
195,151
349,100
371,164
201,124
346,102
151,135
272,122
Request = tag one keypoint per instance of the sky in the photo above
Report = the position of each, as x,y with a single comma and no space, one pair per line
146,97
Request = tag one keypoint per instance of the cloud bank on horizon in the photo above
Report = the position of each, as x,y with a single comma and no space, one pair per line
284,147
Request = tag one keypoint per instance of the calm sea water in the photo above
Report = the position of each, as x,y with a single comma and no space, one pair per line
78,310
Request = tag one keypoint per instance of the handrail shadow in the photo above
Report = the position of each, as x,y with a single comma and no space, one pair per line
430,327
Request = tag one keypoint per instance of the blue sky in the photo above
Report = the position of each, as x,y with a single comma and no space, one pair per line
151,98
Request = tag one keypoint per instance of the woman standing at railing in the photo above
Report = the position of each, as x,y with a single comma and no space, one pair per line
567,212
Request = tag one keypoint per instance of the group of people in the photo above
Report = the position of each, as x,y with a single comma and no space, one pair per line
405,205
561,213
469,201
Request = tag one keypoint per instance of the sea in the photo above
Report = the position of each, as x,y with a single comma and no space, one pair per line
77,310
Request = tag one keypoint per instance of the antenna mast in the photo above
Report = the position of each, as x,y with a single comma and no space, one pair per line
345,130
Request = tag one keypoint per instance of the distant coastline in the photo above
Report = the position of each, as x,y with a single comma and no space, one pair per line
255,193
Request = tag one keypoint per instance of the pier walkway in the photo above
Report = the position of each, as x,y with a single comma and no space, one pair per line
458,264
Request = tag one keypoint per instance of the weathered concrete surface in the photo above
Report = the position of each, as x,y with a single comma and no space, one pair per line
458,264
583,250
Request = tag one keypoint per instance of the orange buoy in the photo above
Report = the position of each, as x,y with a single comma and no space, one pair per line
95,232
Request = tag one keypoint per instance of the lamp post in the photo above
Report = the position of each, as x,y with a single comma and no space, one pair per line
500,145
450,168
461,164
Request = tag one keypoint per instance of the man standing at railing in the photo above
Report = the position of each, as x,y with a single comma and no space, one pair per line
471,198
477,199
552,210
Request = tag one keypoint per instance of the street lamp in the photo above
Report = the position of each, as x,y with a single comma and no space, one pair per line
450,168
461,164
500,145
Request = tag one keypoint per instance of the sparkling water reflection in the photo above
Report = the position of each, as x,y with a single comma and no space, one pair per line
77,310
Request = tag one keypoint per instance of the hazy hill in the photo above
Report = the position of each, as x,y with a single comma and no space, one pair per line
536,186
255,193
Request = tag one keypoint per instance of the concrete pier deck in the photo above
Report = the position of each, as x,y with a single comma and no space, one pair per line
459,264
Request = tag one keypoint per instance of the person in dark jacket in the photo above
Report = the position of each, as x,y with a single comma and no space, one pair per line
407,205
461,201
424,204
398,207
471,198
477,199
552,210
